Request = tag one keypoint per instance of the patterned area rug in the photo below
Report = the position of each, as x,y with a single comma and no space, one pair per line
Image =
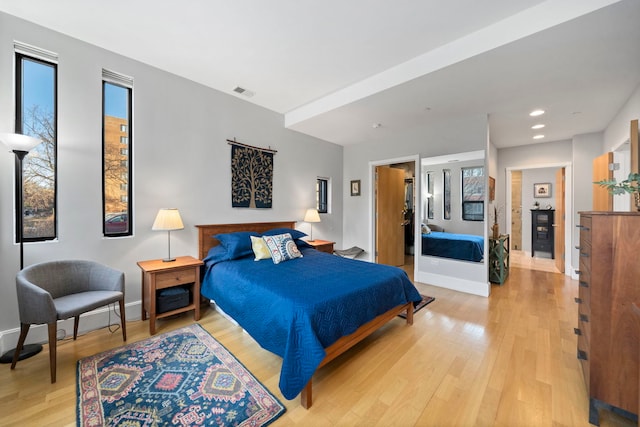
425,300
180,378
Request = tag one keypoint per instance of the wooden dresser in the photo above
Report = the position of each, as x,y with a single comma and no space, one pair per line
609,282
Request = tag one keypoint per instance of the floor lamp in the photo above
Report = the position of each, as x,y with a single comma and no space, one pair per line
20,145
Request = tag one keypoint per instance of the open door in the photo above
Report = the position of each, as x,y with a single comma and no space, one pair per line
558,232
516,210
602,199
390,216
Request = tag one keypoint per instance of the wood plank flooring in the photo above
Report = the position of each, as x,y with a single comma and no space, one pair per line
507,360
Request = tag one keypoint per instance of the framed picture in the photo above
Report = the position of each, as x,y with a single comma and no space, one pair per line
542,190
355,187
492,189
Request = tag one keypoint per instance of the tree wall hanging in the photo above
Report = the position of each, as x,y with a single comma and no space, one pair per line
251,176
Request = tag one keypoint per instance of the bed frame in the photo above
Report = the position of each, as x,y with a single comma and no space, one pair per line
206,241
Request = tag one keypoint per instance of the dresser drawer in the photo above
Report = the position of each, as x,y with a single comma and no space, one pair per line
175,277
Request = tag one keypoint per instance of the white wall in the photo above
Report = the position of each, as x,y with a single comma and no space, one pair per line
618,129
181,159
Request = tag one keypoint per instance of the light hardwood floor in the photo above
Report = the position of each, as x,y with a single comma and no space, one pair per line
507,360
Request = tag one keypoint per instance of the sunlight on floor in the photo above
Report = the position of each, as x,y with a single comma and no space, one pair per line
525,260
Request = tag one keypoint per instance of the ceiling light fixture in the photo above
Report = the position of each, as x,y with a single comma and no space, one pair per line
538,136
538,126
536,113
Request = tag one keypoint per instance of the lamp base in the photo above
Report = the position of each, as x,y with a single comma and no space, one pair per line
168,259
28,350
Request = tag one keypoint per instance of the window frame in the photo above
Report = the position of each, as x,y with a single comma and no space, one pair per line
19,128
129,145
322,197
476,203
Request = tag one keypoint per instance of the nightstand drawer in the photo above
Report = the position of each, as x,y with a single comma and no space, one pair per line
175,277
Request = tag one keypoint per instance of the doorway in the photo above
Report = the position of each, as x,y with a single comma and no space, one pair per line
522,202
393,212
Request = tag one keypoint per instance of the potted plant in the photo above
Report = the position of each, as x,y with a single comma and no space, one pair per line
630,185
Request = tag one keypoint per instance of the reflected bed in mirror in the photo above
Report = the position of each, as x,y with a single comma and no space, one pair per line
465,247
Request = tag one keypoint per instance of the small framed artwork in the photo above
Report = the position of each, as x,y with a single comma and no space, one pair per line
542,190
492,189
355,187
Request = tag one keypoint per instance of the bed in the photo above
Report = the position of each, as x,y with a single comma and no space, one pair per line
311,309
466,247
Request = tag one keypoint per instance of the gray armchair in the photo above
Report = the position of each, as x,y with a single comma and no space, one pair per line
59,290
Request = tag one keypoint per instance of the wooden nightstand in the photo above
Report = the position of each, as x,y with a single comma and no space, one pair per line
322,245
157,275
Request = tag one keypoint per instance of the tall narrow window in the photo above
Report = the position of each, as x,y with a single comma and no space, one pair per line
117,162
322,195
473,193
36,115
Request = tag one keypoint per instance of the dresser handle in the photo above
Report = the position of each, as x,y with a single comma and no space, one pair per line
583,284
582,355
582,227
578,300
578,247
577,331
584,254
578,272
583,318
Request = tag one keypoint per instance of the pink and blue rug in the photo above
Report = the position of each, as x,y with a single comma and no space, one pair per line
179,378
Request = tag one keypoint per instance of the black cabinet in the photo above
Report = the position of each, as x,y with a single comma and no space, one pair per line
542,231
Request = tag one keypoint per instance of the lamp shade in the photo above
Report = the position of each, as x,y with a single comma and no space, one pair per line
18,142
311,216
168,219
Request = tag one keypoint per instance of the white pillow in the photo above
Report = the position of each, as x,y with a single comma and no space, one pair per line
425,229
282,247
260,249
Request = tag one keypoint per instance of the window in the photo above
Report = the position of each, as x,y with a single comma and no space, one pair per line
36,115
322,195
473,194
116,159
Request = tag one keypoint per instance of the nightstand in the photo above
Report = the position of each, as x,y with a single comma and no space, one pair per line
322,245
158,275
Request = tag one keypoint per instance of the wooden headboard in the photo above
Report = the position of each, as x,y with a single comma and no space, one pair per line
207,231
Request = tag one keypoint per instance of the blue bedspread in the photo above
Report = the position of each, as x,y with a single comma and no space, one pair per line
466,247
297,308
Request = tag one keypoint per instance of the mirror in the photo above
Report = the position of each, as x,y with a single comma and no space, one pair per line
453,206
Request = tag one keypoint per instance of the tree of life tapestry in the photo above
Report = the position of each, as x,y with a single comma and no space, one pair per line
251,177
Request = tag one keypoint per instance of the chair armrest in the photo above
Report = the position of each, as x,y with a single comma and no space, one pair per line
105,278
35,305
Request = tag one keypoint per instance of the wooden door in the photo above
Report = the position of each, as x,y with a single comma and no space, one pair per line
390,216
602,199
516,210
558,232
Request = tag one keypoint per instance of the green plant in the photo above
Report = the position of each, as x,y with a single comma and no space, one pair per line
630,185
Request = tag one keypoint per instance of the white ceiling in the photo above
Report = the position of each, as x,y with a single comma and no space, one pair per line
336,67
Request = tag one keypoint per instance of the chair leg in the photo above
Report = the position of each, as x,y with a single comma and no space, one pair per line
76,320
53,342
123,322
24,330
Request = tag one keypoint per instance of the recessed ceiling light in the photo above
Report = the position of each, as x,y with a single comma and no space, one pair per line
536,113
538,126
376,125
538,136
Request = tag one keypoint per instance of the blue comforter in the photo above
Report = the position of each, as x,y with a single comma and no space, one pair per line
297,308
466,247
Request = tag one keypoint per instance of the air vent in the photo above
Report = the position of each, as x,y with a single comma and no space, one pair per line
243,91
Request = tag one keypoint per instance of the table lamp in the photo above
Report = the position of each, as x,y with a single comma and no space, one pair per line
311,216
168,219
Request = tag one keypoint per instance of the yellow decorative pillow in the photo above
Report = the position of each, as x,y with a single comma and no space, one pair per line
260,249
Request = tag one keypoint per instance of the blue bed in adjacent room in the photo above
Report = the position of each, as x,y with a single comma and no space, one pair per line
306,310
466,247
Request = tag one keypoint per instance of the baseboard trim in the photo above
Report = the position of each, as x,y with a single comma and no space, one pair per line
96,319
468,286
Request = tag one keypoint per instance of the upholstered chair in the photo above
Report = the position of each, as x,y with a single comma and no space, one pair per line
58,290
